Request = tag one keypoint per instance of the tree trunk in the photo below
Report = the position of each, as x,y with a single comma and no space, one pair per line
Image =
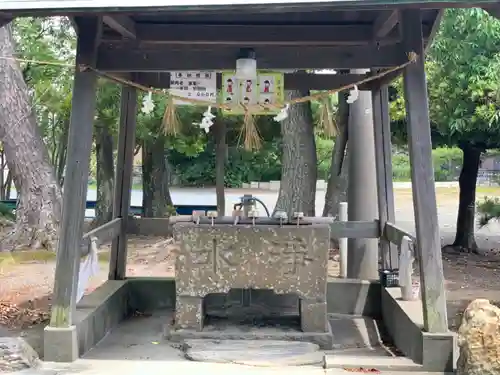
38,212
63,152
105,175
2,176
336,189
466,222
8,184
156,198
220,161
299,171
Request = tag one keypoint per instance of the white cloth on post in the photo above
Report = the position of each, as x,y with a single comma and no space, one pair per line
88,268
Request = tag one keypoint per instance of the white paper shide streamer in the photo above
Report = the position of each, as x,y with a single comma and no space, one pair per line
88,268
353,95
207,120
283,114
148,104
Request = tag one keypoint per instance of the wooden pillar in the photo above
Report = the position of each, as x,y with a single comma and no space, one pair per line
77,173
383,160
422,175
123,181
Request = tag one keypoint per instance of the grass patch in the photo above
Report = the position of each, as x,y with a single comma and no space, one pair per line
39,256
445,195
454,191
488,190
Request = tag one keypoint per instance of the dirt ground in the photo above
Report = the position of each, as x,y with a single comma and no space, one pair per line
29,284
25,286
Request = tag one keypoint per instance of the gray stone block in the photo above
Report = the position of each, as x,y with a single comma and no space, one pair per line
438,351
287,260
60,344
404,323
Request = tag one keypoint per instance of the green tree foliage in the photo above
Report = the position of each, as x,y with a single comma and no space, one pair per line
463,84
48,40
464,79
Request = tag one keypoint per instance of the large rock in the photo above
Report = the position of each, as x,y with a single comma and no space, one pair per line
479,340
16,355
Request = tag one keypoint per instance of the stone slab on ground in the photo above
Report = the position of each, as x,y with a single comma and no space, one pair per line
323,339
254,352
16,355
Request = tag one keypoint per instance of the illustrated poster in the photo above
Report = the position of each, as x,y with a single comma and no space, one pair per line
266,90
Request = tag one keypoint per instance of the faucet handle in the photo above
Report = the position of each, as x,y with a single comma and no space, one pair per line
212,214
253,214
298,215
282,215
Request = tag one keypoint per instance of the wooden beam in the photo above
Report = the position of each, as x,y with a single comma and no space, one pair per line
244,34
4,20
395,234
77,172
123,181
383,157
434,29
127,59
339,229
161,227
385,23
74,23
354,229
422,176
123,25
39,8
493,10
104,233
292,81
385,80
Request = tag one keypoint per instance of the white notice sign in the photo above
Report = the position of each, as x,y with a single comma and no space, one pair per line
200,85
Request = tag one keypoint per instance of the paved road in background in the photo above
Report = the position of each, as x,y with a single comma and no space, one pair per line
487,237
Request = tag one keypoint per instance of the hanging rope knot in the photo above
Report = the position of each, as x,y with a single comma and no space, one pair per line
412,56
83,67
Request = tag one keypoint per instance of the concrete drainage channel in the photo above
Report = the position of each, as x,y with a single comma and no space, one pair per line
354,307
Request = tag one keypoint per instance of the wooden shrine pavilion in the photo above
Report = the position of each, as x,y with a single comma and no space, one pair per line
142,41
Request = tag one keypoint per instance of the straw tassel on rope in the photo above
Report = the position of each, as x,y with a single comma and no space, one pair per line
171,122
327,121
252,141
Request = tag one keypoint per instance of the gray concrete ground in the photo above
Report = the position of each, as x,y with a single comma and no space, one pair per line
137,347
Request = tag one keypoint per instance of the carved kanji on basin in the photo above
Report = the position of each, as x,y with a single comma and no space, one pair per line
216,259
